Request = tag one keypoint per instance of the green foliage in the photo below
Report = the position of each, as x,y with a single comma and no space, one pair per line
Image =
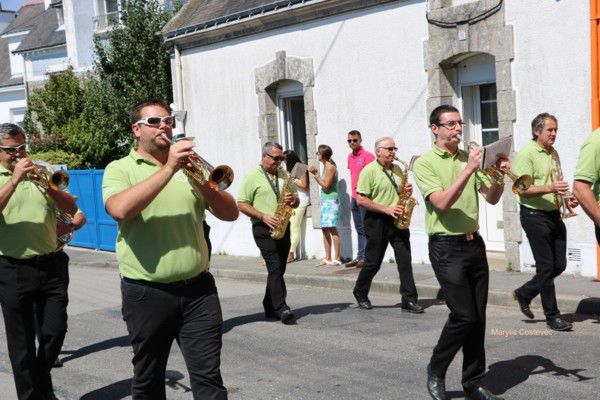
58,157
88,115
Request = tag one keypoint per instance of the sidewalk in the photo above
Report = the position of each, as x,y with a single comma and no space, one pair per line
574,294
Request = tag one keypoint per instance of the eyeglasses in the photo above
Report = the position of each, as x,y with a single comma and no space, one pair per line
391,148
156,121
452,124
275,158
14,149
353,140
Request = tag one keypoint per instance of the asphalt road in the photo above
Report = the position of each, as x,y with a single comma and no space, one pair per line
335,351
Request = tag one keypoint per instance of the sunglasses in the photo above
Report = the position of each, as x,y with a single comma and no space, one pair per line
14,149
156,121
452,124
353,140
388,148
275,158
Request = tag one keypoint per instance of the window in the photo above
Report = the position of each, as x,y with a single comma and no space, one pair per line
108,14
489,113
292,127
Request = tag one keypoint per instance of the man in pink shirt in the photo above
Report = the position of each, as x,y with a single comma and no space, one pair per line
357,160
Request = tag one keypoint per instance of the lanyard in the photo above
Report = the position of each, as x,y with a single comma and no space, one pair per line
275,186
390,177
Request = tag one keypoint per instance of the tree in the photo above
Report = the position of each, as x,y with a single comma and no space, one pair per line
88,115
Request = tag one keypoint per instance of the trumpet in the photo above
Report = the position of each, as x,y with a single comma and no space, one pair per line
520,183
45,178
219,177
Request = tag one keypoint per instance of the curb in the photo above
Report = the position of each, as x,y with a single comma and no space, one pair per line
503,298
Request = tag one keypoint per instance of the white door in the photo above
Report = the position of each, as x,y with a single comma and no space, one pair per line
480,113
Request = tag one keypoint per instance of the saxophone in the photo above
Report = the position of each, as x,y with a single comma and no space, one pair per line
284,212
404,199
561,200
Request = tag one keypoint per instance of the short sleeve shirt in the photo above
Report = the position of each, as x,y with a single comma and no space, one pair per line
258,192
588,164
28,222
165,242
536,161
356,162
437,170
374,184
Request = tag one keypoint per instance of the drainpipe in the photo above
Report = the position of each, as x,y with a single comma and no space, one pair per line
179,81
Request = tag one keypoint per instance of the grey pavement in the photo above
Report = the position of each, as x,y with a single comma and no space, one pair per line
574,293
335,351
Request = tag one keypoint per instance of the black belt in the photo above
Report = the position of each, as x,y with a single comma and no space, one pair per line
528,210
170,285
31,260
467,237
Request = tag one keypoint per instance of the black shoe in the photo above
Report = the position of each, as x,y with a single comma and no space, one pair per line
50,396
523,305
363,302
412,307
57,364
558,324
435,386
287,317
481,393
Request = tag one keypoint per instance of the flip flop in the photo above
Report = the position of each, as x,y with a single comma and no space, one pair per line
334,263
324,262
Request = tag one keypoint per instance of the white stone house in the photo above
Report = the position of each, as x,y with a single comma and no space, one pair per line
305,72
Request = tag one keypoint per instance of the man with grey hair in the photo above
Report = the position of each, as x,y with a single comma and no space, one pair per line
259,194
32,272
378,191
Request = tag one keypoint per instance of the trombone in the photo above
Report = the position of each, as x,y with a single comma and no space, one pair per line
520,183
219,177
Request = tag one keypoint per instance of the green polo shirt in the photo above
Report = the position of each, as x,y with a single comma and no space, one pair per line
257,191
536,161
588,164
437,170
374,184
28,222
165,242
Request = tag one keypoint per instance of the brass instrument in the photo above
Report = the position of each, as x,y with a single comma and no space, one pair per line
284,212
43,176
556,174
520,183
404,199
219,178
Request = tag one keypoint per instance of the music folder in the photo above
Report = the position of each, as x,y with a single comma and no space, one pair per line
492,151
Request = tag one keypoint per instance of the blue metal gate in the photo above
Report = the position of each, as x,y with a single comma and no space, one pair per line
100,232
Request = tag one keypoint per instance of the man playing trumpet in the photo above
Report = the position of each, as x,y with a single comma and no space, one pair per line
378,191
450,180
167,292
541,219
32,273
258,198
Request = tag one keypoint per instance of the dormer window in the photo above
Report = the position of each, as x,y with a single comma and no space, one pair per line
107,14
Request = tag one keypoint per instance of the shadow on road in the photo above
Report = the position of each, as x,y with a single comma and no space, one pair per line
122,341
122,389
231,323
504,375
425,303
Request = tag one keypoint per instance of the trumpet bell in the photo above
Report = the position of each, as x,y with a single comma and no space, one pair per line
521,184
221,177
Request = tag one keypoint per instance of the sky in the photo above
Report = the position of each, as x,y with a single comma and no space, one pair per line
13,4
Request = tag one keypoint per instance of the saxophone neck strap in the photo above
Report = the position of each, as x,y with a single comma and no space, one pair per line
274,186
390,176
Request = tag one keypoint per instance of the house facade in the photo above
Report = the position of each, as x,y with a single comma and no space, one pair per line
306,72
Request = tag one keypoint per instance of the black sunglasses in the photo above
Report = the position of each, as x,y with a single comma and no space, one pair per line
353,140
14,149
275,158
388,148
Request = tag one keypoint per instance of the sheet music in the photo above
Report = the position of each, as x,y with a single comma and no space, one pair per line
493,150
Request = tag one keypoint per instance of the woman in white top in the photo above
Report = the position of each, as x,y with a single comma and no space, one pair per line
298,220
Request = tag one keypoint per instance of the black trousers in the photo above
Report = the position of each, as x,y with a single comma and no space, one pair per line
597,230
462,270
547,236
275,254
191,314
38,283
380,232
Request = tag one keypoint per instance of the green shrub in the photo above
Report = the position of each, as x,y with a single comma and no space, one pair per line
58,157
